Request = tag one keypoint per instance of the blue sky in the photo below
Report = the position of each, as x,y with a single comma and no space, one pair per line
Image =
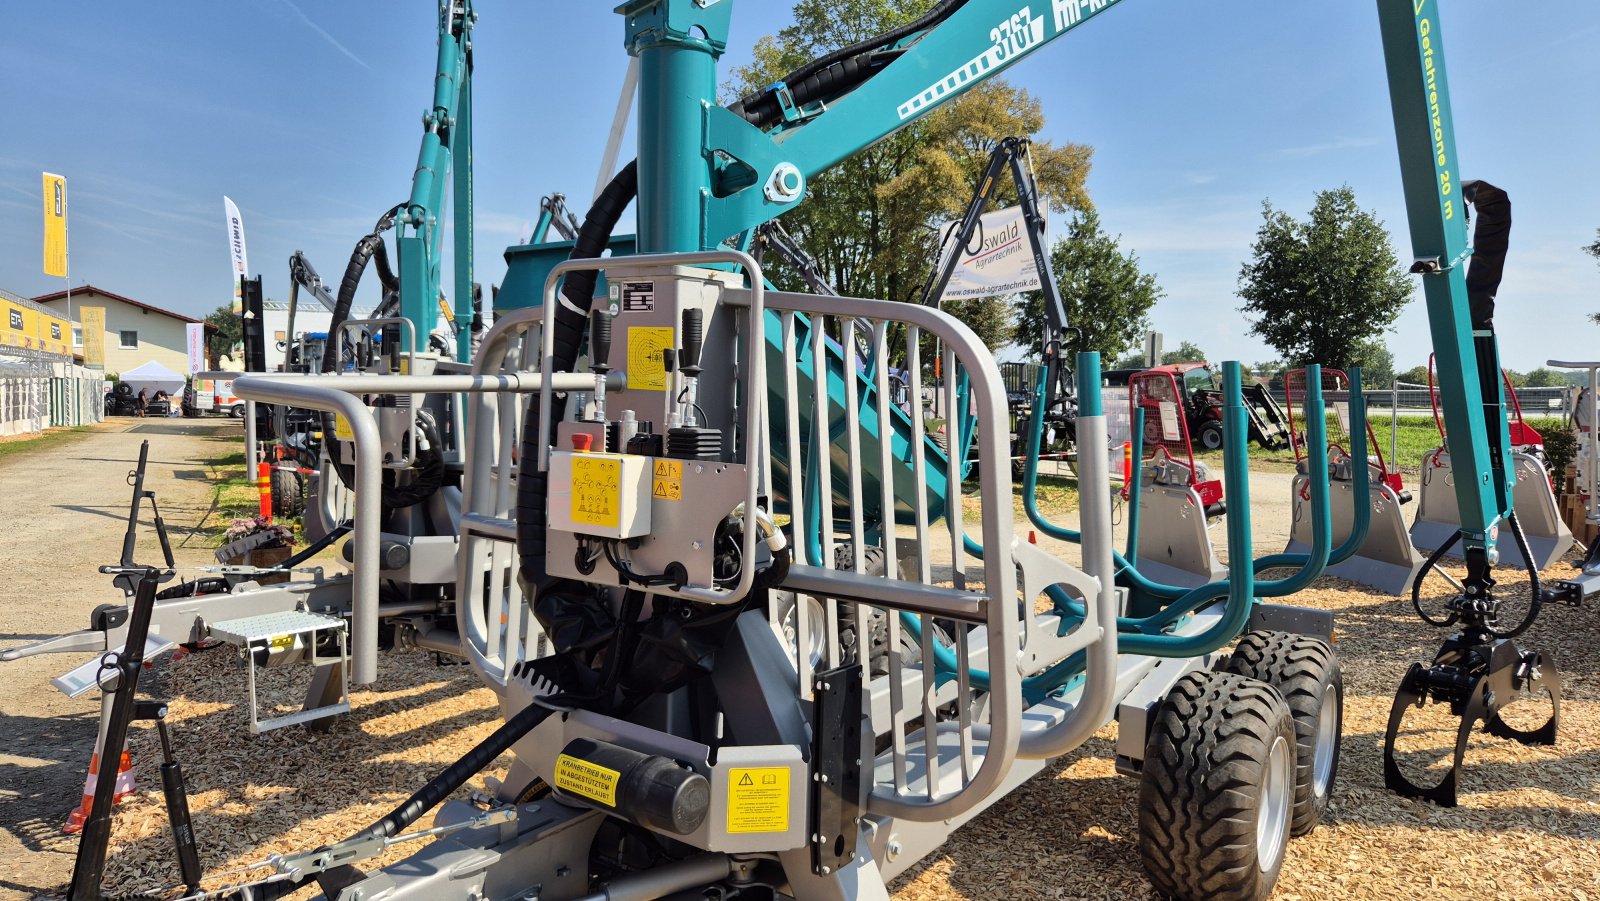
308,115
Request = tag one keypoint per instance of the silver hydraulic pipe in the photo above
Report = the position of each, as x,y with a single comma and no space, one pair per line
369,502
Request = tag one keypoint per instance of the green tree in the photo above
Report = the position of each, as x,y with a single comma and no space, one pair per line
1186,353
1317,291
1376,362
1517,379
1266,370
1104,294
1131,360
1544,377
230,331
1594,251
1416,375
871,221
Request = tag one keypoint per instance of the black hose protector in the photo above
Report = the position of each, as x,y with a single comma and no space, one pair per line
456,774
1490,239
578,289
761,104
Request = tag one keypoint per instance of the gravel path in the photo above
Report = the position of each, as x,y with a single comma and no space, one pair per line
64,511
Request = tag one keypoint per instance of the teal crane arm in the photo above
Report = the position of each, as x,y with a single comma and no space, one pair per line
444,159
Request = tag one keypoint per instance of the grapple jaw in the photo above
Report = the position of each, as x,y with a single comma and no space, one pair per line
1477,679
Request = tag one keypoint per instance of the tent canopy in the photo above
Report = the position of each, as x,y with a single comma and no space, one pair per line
154,376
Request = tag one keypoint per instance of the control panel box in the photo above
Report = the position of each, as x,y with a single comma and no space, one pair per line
605,495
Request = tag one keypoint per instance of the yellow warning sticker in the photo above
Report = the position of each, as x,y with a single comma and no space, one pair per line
758,799
587,780
281,642
342,429
668,484
596,484
647,371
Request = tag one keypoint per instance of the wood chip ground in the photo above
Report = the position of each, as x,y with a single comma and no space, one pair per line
1528,825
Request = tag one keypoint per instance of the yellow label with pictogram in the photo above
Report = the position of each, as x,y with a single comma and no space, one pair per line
579,777
342,429
281,642
758,799
647,370
596,485
668,481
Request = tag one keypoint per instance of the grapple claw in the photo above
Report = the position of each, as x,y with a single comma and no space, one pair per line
1415,689
1535,675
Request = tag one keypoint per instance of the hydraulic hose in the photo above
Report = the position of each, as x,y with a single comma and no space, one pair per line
571,315
762,109
456,774
367,249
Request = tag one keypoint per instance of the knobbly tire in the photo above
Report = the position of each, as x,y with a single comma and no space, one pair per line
1211,435
288,493
1216,790
1306,672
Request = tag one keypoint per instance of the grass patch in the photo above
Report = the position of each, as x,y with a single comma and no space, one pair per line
41,441
235,493
1411,438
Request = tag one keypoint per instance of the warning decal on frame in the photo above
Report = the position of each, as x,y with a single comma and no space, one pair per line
647,371
596,484
758,799
586,780
668,483
342,429
638,297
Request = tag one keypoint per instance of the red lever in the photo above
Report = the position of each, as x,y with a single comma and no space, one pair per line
582,441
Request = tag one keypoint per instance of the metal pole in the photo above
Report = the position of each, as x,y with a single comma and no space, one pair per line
369,483
1594,445
619,125
1394,422
249,438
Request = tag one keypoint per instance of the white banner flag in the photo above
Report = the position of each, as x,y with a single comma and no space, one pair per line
241,263
197,347
998,261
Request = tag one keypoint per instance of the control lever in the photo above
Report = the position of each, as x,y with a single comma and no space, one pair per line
689,358
599,354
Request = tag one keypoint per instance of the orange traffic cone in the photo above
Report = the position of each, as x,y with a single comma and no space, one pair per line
75,820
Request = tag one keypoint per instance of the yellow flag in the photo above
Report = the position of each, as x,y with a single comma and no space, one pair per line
55,225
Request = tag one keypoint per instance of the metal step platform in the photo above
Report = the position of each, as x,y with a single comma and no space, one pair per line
279,639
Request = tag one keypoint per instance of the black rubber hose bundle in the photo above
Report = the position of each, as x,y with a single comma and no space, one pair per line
762,109
368,249
570,319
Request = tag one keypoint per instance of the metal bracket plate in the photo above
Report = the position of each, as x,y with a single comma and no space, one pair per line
836,760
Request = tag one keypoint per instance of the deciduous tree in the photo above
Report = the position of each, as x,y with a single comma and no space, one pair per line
871,221
1187,352
1320,290
1105,295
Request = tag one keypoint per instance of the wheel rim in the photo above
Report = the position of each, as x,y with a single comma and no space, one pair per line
1327,743
1277,793
816,631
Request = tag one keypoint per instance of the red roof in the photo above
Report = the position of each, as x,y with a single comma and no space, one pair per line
61,295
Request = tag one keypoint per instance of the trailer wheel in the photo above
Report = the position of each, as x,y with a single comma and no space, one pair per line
1210,435
288,493
1306,672
1217,789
